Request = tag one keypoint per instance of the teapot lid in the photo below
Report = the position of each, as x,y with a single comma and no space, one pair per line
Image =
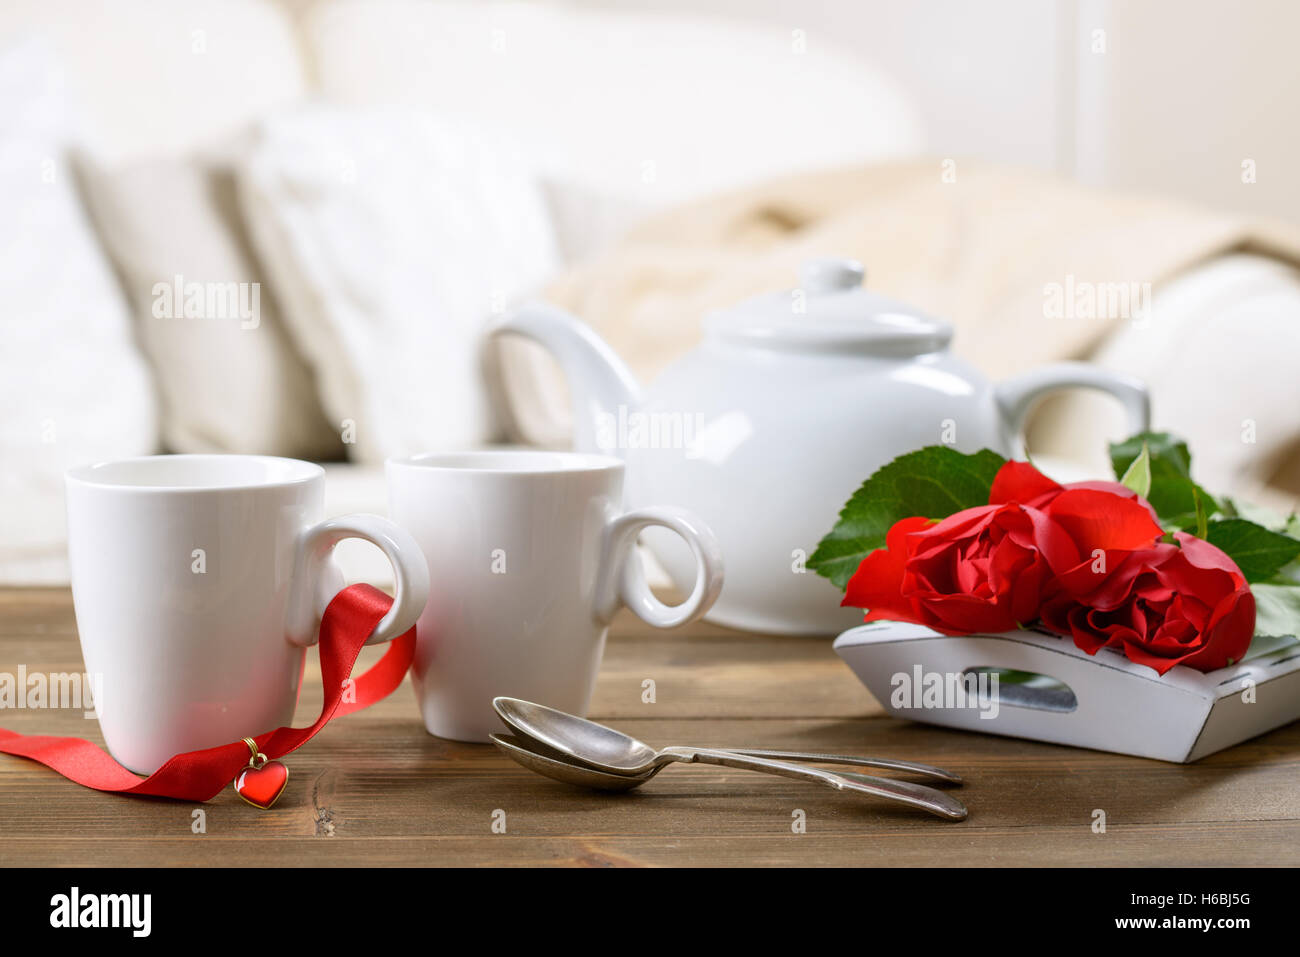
831,312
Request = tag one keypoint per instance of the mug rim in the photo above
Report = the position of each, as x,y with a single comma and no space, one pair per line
562,462
96,475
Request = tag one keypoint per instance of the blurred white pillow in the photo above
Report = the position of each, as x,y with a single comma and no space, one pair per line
173,223
73,387
391,237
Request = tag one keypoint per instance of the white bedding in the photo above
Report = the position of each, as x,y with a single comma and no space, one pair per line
390,238
1218,354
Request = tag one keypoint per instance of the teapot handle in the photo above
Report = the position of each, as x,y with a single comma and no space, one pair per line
1017,395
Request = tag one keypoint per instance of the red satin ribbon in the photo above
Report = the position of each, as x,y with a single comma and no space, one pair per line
201,775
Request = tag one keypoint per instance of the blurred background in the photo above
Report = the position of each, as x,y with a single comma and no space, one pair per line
282,226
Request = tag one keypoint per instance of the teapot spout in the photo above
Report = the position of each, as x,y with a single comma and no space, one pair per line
599,381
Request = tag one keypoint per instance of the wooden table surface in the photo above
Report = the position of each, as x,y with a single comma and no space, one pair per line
375,789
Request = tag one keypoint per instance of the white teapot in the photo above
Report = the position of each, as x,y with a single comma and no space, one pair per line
791,401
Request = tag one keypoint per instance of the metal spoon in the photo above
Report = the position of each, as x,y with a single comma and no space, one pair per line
537,757
613,754
546,726
820,757
523,751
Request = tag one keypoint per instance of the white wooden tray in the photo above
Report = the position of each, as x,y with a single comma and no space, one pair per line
1049,690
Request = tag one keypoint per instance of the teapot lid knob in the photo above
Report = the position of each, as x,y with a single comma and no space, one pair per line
831,275
830,312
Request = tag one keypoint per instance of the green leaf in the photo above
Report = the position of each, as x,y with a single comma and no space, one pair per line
1258,552
1169,455
1271,519
1201,519
1177,497
1137,477
1277,610
1263,645
933,482
1173,493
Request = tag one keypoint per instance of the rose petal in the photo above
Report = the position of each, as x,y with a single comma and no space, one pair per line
1020,482
965,614
1102,520
1228,634
877,583
1204,555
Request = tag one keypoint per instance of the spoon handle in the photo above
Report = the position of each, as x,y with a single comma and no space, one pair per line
817,757
905,792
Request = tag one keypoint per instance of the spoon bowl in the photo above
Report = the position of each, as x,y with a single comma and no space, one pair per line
558,769
576,738
569,745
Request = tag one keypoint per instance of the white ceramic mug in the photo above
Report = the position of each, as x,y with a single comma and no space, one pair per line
530,555
199,582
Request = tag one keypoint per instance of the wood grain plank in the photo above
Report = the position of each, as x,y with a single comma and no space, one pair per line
375,789
1273,844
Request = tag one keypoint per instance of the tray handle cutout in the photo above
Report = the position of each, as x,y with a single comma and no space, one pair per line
1027,689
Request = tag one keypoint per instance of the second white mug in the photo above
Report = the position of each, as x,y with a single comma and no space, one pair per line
530,555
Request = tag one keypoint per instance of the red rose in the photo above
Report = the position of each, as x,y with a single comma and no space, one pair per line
1021,482
991,568
1085,559
1166,605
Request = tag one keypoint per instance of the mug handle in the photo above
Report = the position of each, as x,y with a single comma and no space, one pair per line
316,581
623,579
1016,396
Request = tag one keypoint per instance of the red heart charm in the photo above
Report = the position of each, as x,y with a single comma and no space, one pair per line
262,787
